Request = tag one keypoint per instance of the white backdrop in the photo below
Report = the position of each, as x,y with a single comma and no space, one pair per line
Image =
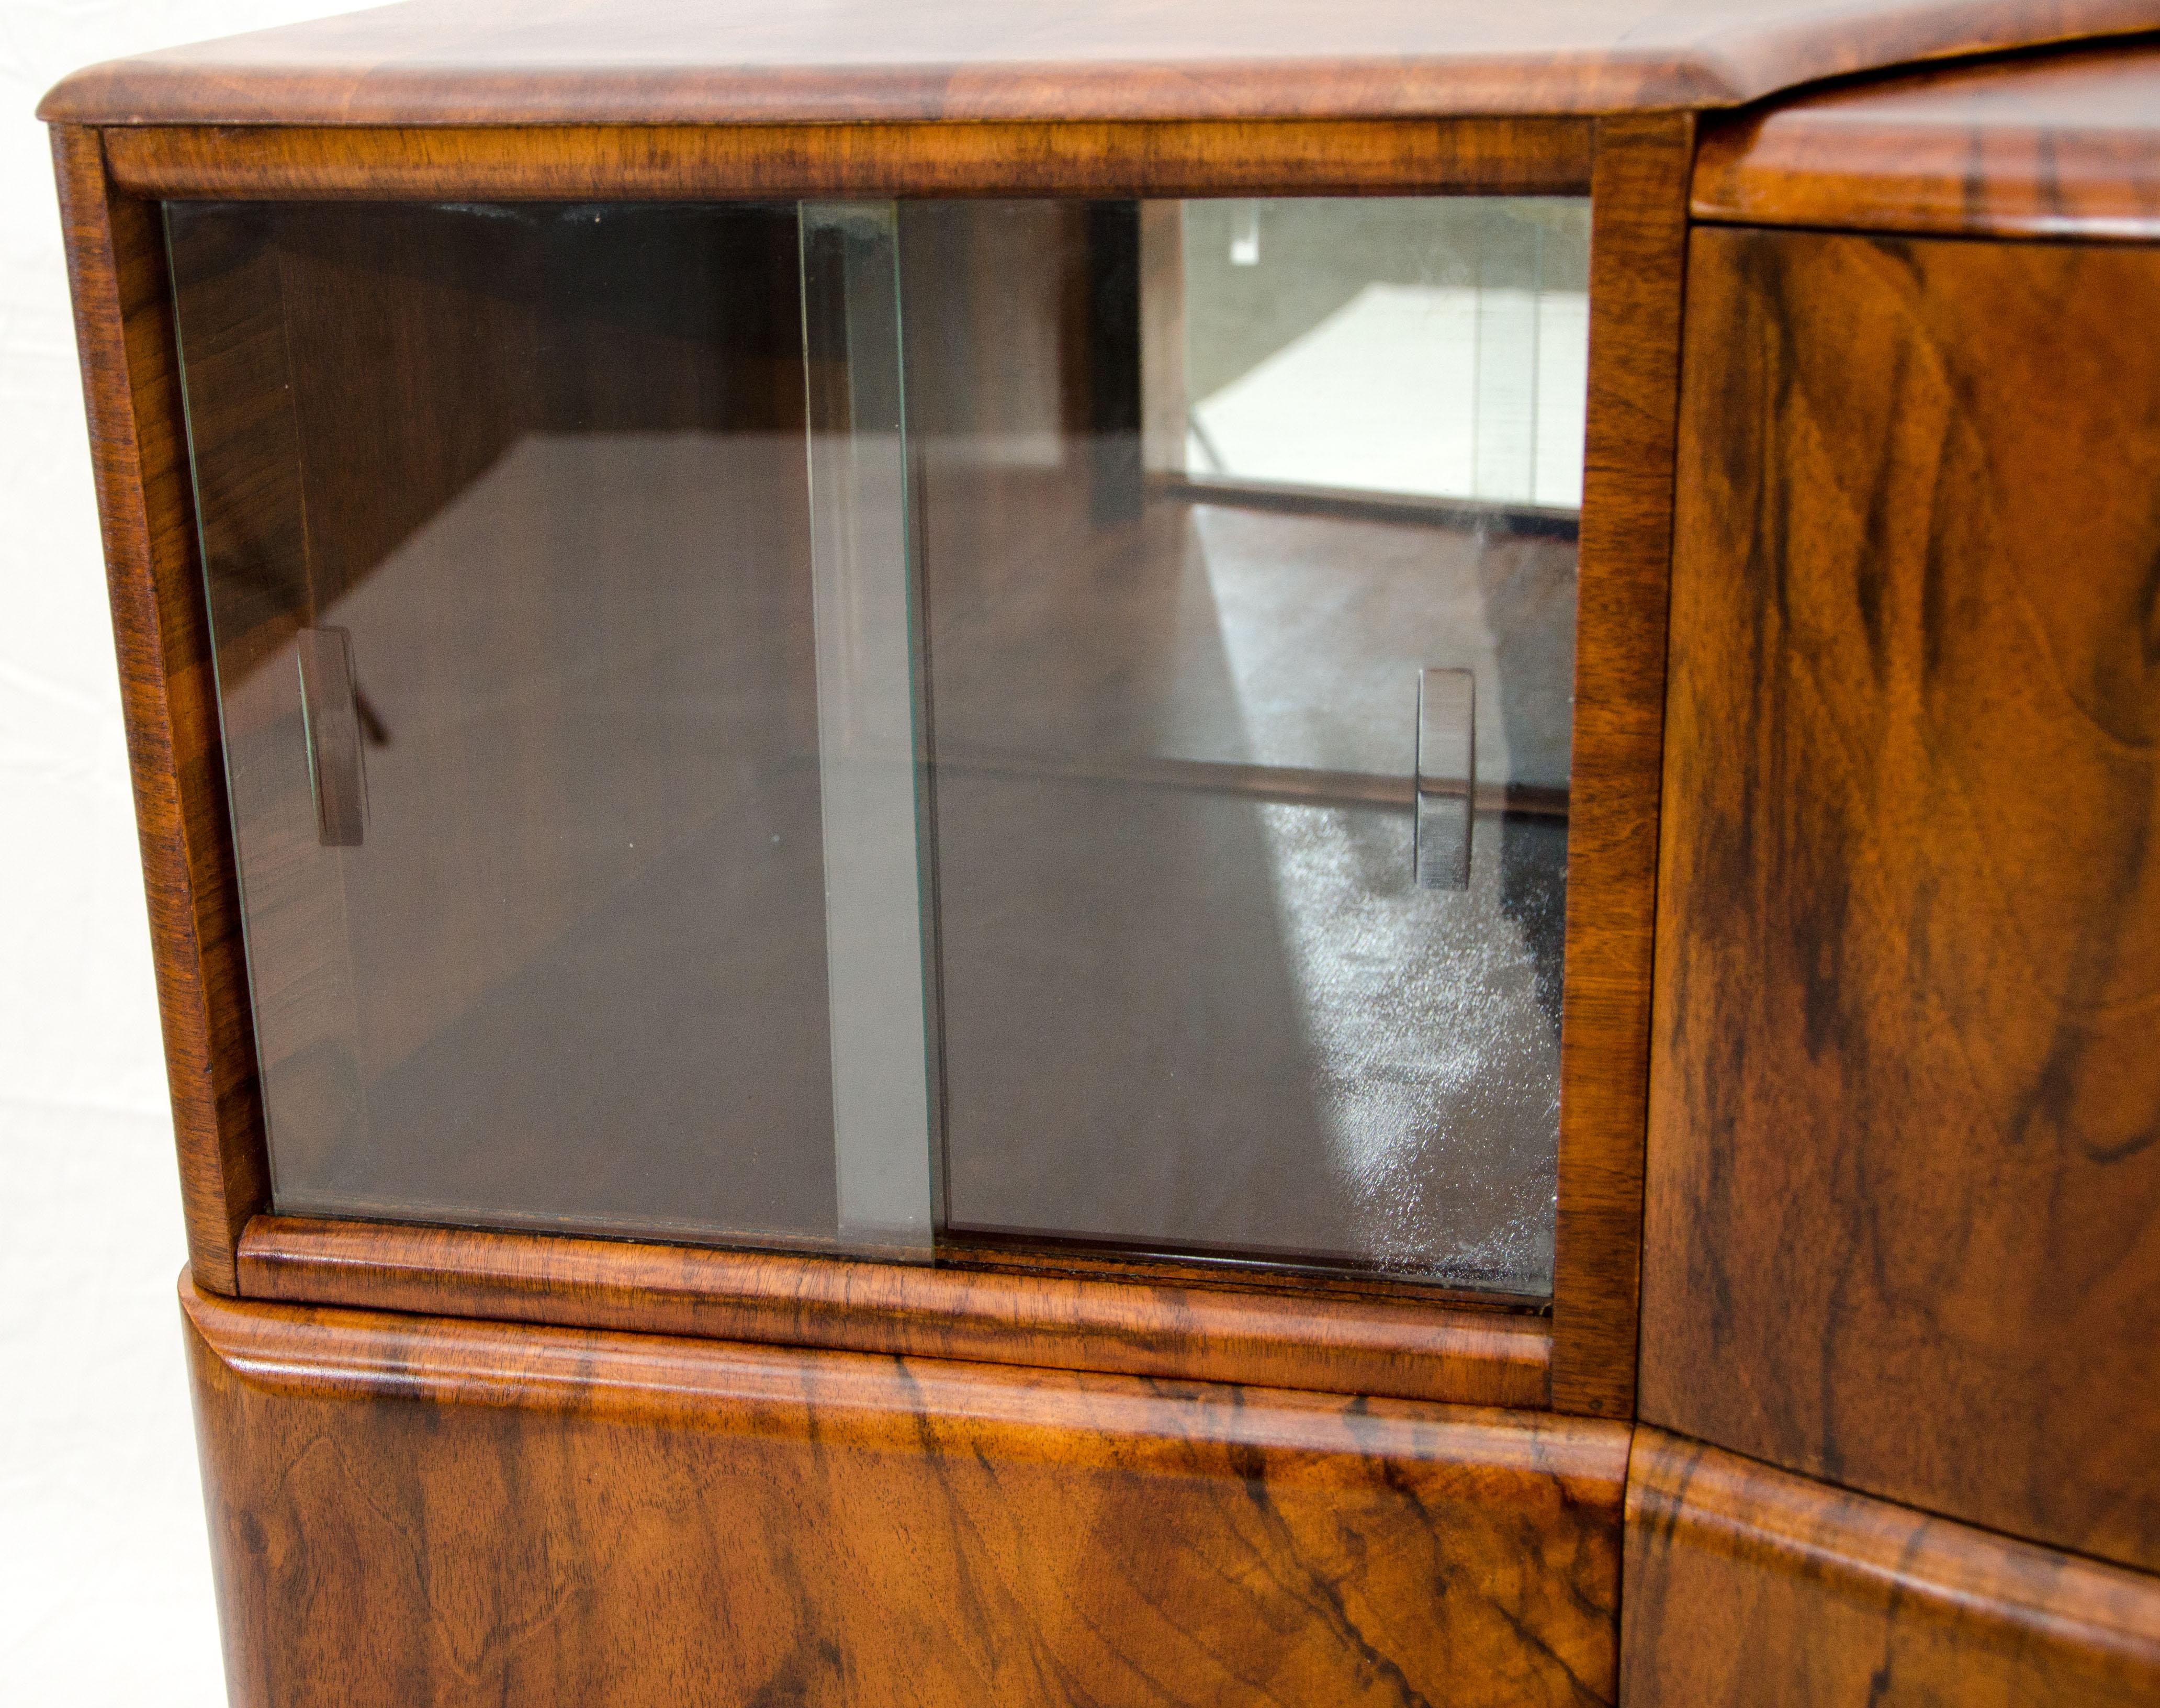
104,1595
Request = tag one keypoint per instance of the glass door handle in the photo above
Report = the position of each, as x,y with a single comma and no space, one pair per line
329,716
1447,777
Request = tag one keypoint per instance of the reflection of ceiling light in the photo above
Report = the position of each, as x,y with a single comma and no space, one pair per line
1245,234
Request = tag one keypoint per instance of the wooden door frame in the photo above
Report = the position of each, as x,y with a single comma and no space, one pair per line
1578,1358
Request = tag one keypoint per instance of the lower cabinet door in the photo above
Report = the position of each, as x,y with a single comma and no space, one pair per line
416,1510
1901,1209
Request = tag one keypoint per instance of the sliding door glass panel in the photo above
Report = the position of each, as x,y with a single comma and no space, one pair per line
1186,582
520,601
883,726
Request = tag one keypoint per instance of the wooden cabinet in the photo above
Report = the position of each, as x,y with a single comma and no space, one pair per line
959,837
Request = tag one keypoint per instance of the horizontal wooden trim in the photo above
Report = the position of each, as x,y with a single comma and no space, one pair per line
1741,1576
452,1361
1336,1344
616,163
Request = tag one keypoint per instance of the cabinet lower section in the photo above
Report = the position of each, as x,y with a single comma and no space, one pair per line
415,1510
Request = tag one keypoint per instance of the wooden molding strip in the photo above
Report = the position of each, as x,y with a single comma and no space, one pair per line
451,1361
1638,235
2064,146
1746,1582
625,163
1200,1333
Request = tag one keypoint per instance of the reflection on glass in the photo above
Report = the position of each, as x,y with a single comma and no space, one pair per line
1434,348
1194,998
863,726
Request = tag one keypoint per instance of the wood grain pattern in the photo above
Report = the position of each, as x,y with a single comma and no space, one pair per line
1903,1227
1637,246
1501,156
1338,1344
138,449
409,1509
1747,1584
2063,145
690,62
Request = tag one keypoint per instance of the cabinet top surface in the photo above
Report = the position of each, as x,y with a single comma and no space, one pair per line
695,61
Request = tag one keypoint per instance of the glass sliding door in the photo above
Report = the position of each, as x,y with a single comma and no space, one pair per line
546,472
1186,589
896,727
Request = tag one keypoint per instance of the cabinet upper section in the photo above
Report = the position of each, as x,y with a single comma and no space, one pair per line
2061,145
688,62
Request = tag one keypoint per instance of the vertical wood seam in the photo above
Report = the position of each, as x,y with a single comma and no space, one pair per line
1638,213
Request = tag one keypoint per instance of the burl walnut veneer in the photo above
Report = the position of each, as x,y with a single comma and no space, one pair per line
562,1515
1902,1229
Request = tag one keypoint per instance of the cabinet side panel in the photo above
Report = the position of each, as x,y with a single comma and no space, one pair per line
1903,1221
1748,1584
168,700
411,1509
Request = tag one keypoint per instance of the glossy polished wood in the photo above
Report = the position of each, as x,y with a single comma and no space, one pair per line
2062,145
405,1508
1750,1585
1340,1344
1639,231
1495,156
546,61
138,452
1904,1222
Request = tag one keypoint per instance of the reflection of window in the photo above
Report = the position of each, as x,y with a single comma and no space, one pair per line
1429,348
